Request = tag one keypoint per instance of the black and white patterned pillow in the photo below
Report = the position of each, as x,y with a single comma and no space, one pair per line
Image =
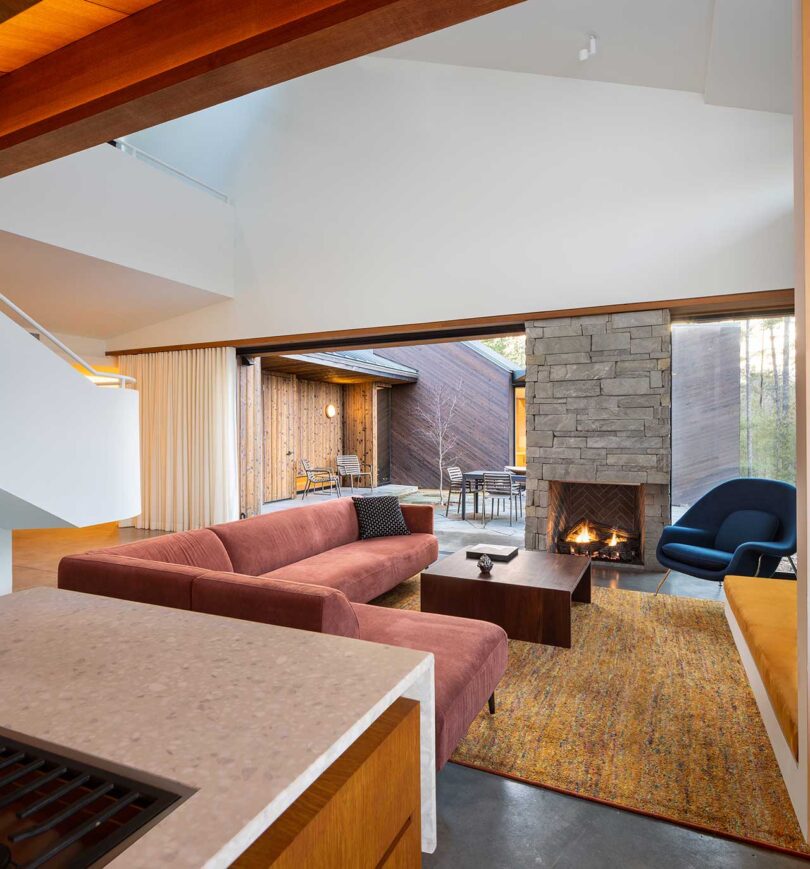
380,516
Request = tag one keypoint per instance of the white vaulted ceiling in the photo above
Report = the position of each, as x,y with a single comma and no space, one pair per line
734,52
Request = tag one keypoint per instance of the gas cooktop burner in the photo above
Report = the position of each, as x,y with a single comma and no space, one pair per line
65,814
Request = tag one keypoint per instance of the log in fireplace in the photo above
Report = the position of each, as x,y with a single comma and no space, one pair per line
605,521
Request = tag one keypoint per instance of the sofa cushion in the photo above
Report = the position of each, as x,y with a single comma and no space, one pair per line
380,516
155,582
766,613
364,569
697,556
418,517
746,526
274,602
263,543
195,548
470,658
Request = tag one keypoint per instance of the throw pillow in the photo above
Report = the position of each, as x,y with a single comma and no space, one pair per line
380,516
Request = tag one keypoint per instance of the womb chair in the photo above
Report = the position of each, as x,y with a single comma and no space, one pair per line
742,527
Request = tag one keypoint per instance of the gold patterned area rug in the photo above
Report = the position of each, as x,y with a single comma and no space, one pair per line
650,710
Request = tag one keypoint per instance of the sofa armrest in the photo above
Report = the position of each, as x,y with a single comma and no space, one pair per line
155,582
275,602
418,518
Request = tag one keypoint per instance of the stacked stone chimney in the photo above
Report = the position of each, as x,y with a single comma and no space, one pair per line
598,410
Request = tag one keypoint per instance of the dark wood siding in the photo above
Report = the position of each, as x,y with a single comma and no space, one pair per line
482,420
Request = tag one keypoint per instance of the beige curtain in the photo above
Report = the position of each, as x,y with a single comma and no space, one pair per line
189,461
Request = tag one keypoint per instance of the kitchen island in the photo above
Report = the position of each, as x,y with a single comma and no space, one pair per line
244,716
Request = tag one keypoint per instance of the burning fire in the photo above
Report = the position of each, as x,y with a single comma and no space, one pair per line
585,535
614,540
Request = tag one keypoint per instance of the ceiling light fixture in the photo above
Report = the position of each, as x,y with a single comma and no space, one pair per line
590,51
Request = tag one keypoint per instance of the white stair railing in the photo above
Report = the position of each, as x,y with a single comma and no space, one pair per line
122,379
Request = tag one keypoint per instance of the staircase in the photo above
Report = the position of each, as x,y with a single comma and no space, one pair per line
69,450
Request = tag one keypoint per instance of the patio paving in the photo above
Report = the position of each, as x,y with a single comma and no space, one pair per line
402,492
454,532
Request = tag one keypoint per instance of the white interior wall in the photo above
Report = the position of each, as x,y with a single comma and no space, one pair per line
383,192
113,207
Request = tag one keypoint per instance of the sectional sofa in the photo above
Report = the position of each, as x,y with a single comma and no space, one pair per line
307,568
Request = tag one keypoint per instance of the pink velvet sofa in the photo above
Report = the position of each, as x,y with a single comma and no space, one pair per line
307,568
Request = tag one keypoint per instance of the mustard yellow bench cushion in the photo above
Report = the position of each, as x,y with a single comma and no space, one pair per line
765,610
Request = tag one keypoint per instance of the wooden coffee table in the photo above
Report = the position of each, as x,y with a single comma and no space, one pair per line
529,596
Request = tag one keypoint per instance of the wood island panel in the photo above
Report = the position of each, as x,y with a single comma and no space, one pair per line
364,811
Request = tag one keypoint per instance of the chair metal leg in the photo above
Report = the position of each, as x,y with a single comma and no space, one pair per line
306,489
666,577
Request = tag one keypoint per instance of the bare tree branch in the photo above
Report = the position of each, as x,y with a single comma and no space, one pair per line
436,414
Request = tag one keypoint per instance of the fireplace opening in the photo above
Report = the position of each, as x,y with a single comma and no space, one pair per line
603,520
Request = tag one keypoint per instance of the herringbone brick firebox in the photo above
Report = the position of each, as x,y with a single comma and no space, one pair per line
598,418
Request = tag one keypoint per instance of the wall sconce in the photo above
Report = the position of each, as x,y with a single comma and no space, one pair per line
330,410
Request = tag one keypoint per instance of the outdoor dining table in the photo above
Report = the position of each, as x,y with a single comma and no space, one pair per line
476,477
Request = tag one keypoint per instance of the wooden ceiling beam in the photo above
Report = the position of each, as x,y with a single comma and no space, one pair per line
10,8
180,56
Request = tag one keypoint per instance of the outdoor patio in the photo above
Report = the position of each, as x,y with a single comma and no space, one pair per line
453,531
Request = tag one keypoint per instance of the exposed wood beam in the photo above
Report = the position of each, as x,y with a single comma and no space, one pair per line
10,8
767,302
180,56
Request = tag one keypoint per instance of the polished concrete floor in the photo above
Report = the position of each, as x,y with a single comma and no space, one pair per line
491,822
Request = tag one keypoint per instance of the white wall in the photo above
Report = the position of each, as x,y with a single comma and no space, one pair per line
113,207
383,192
69,450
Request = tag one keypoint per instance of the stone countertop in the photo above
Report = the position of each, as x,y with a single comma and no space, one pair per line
246,714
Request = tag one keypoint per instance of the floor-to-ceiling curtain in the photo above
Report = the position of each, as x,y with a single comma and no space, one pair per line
189,462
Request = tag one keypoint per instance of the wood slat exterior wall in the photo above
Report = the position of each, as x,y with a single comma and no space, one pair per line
319,438
482,421
251,440
279,398
359,423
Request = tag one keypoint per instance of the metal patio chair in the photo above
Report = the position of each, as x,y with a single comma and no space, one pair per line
319,476
349,466
456,487
500,487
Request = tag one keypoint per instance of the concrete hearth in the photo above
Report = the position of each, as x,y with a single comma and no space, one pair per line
598,410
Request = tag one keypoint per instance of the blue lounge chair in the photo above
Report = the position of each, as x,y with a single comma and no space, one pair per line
743,527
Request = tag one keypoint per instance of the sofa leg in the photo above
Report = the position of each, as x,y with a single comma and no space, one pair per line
492,704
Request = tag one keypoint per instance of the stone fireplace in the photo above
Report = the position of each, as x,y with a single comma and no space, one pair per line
603,520
598,435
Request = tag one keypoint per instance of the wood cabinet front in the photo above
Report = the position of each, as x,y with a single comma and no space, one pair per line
364,811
